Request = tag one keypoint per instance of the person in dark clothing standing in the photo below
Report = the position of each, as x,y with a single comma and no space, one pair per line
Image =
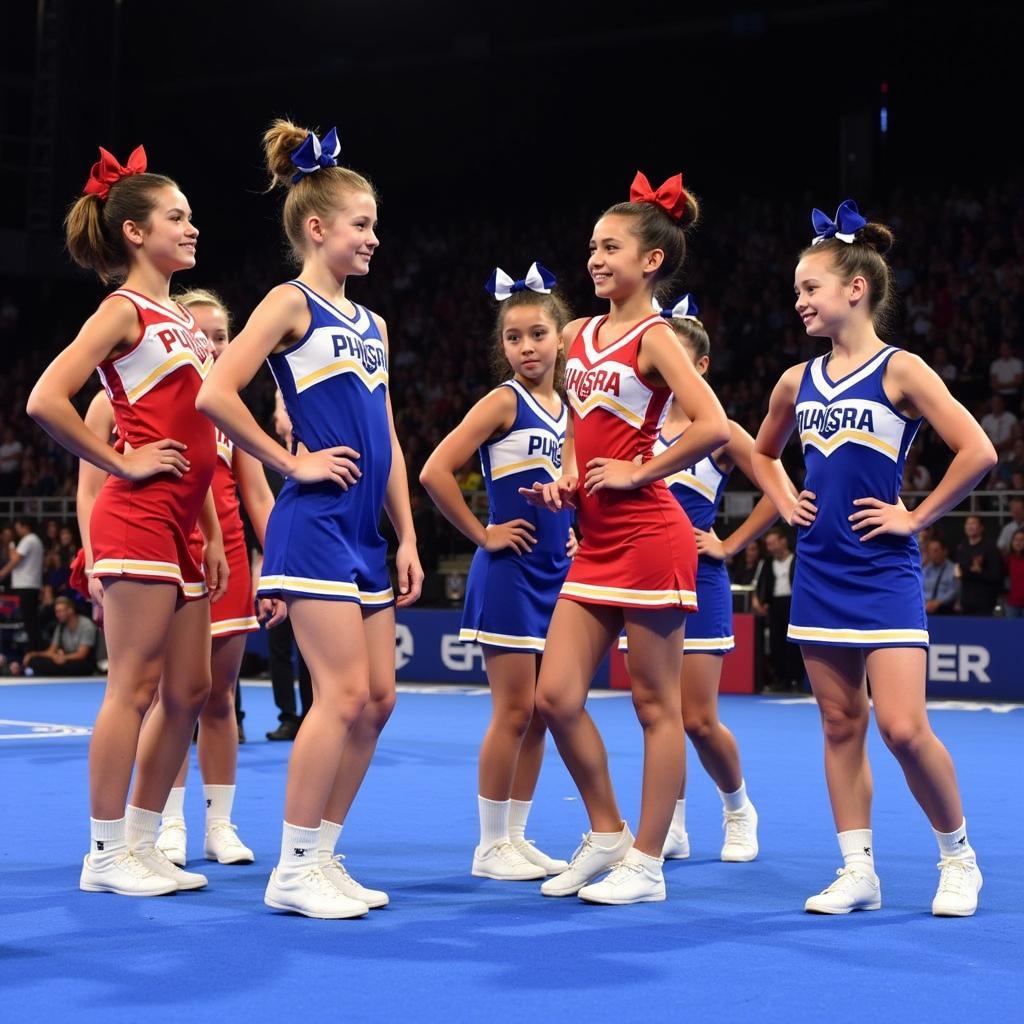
774,597
24,567
981,570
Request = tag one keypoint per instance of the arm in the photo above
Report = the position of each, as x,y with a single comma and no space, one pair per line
99,418
919,389
281,318
214,559
661,357
113,325
256,494
796,507
12,563
399,508
493,414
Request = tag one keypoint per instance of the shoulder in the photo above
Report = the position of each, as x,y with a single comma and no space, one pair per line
905,365
503,400
791,379
379,322
572,329
118,313
286,296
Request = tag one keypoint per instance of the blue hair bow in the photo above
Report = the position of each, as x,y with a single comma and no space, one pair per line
538,279
684,307
314,154
847,223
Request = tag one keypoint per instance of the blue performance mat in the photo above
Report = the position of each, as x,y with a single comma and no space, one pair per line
731,943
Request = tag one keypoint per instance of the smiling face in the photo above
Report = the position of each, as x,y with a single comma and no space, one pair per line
531,342
823,302
213,322
617,265
347,239
167,237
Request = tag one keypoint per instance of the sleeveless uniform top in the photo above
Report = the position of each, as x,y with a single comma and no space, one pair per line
855,443
698,488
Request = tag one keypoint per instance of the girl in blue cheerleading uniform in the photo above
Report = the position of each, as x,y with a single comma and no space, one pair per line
858,605
699,489
522,557
325,560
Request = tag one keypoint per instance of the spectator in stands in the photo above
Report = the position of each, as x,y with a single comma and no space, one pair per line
774,598
939,582
25,569
72,651
10,462
1016,523
1014,603
981,570
998,423
745,571
943,367
469,477
915,476
1006,374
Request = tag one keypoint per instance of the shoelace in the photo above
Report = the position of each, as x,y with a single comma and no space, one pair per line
582,850
956,872
335,864
621,871
737,826
845,877
231,832
131,865
316,879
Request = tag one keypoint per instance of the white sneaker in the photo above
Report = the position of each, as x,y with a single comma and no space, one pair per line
853,889
677,846
589,861
160,864
224,846
740,834
505,863
173,840
551,865
960,882
124,874
311,894
348,886
630,881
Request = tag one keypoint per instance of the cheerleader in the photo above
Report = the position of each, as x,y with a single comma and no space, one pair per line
637,561
325,561
137,227
858,605
521,559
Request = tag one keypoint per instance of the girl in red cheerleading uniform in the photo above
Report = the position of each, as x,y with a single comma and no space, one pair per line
637,563
151,358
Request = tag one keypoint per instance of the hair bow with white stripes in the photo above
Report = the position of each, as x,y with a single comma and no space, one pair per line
314,154
685,307
538,279
847,223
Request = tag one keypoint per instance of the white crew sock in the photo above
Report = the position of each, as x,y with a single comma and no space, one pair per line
219,801
140,827
652,864
857,849
494,815
106,837
330,833
955,845
735,801
679,818
607,840
175,806
299,847
518,813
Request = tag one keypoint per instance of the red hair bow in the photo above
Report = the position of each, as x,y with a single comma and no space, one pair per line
671,197
107,171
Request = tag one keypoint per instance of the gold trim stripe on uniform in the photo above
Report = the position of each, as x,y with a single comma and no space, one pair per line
248,625
519,467
162,371
371,380
689,480
641,598
528,643
860,436
600,398
862,635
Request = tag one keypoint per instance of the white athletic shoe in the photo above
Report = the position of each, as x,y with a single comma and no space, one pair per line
160,864
960,882
630,881
740,834
589,861
311,894
502,861
124,874
173,840
348,886
551,865
224,846
853,889
677,846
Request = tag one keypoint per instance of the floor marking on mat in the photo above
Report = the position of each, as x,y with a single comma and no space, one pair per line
39,730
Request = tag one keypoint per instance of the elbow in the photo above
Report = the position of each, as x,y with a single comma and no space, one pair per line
36,407
426,478
204,403
721,431
989,457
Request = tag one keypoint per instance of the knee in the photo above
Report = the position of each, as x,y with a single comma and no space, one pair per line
514,719
555,709
843,725
653,708
698,726
377,712
343,708
220,703
904,736
186,698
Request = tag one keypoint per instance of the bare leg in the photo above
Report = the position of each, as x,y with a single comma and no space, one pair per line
898,690
531,753
138,619
837,679
184,688
218,727
512,676
330,635
715,745
578,637
656,645
379,631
